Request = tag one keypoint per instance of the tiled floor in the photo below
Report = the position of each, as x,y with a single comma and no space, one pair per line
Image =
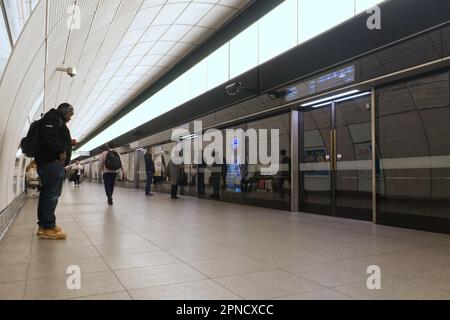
155,248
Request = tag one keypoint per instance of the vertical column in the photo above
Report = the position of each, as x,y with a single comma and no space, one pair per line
295,161
91,174
137,157
374,158
333,158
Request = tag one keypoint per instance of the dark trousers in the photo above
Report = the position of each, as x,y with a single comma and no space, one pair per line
216,186
174,191
109,180
148,186
77,180
244,185
52,180
281,186
201,184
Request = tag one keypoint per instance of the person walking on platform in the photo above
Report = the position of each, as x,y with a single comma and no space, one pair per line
51,159
150,171
110,165
77,172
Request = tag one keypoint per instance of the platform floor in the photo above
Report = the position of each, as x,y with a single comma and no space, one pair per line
157,248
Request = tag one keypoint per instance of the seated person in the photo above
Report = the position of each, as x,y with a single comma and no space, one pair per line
32,178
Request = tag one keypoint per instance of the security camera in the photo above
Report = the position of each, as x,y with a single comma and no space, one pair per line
72,72
276,94
233,89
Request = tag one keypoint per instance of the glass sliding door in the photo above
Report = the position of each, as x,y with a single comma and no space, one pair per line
336,158
315,169
413,138
353,189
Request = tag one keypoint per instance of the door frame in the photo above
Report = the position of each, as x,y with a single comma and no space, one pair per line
299,121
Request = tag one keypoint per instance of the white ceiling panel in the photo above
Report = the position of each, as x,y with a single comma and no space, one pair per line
141,49
154,33
170,13
194,13
122,47
176,32
145,16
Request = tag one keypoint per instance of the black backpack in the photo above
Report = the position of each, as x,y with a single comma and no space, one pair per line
32,143
112,161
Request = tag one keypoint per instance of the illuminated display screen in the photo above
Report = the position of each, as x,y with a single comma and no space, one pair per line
322,83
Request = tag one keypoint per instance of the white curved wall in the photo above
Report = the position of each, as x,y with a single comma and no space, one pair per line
22,83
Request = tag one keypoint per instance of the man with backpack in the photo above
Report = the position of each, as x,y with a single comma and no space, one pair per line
110,165
52,156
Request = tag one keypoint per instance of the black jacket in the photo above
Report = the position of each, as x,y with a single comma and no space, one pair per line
149,164
55,137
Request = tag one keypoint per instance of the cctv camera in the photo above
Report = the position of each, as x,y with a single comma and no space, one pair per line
72,72
233,89
273,95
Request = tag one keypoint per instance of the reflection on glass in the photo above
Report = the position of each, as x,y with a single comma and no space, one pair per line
354,162
242,180
315,171
336,168
414,148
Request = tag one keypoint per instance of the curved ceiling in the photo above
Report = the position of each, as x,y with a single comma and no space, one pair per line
121,47
118,46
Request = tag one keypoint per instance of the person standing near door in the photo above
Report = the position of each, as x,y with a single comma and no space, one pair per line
52,158
150,171
174,171
110,165
285,174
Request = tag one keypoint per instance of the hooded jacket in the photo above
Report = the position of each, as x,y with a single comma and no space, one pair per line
55,138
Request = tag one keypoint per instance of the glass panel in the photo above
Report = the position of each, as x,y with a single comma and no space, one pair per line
218,67
197,78
354,155
131,165
244,51
17,12
315,171
16,173
245,183
318,16
161,157
278,31
5,47
142,173
413,134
